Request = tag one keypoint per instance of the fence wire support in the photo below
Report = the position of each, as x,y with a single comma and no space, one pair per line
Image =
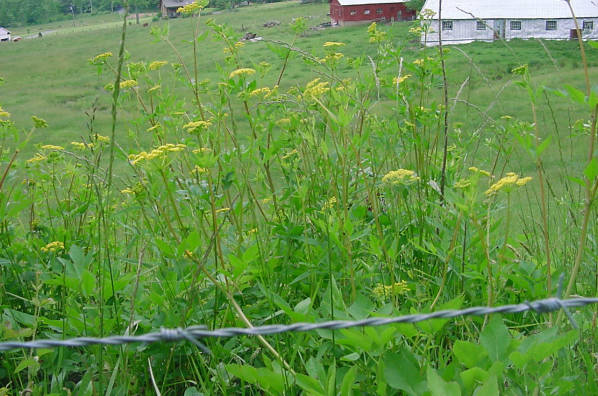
195,333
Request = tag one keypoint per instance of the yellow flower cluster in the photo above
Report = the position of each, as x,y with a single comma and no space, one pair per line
222,210
197,170
4,113
463,183
197,126
245,71
154,88
398,80
39,122
265,92
82,146
102,138
480,171
315,88
202,150
397,289
37,158
53,247
400,176
156,153
376,36
509,181
128,84
333,44
101,58
333,57
329,204
52,147
155,65
191,8
153,128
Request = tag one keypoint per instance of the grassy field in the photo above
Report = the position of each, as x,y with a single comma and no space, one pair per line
227,201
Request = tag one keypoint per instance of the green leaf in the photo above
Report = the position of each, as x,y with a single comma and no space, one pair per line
496,339
401,371
310,385
439,387
348,381
473,377
591,171
263,377
192,391
490,388
575,94
27,363
88,283
468,353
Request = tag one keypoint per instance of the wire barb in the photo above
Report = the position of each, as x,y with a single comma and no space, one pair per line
194,333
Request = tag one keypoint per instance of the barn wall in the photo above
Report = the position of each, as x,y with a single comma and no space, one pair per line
366,13
465,31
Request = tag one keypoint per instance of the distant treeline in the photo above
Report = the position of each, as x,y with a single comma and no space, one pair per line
27,12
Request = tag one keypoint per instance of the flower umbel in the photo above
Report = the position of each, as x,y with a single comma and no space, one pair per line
53,247
400,176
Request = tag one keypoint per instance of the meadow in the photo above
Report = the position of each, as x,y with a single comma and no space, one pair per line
318,174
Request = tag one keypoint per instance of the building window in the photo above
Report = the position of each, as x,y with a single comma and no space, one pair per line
366,12
515,25
550,25
447,25
481,25
588,26
379,11
353,12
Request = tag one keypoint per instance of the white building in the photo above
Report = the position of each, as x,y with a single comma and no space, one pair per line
464,21
4,34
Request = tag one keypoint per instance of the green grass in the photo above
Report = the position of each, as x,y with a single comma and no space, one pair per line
310,204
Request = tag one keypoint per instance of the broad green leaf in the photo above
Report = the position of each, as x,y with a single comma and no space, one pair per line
310,385
591,171
496,339
575,94
473,377
27,363
401,371
88,283
490,388
468,353
439,387
263,377
434,326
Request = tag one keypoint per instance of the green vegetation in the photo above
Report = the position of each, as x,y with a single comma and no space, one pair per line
250,183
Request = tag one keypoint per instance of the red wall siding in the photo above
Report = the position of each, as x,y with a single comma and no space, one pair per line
390,12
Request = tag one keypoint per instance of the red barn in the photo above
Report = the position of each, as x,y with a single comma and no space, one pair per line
349,12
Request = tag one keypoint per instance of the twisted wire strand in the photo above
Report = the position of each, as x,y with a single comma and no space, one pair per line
194,333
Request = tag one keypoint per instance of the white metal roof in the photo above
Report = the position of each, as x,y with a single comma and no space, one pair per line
364,2
512,9
4,31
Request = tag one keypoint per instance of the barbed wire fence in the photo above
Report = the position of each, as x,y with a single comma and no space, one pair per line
194,334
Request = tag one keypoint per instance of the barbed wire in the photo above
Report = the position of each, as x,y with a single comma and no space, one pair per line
194,333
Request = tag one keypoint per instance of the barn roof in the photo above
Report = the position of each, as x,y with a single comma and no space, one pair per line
364,2
512,9
3,31
176,3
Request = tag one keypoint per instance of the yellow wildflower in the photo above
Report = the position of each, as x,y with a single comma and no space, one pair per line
81,146
101,58
463,183
242,72
4,113
191,8
196,126
511,179
102,139
419,62
127,191
198,170
260,91
329,204
52,147
39,122
156,65
480,171
397,289
153,128
128,84
222,210
154,88
315,88
202,150
398,80
400,176
53,247
37,158
333,44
